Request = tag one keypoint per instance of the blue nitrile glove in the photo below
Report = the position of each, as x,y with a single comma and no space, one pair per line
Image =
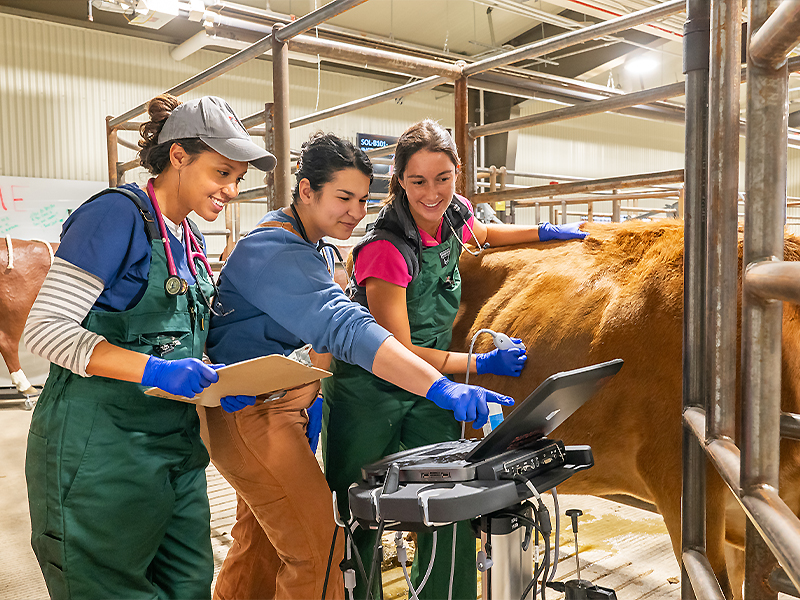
314,426
502,362
185,377
468,402
570,231
233,403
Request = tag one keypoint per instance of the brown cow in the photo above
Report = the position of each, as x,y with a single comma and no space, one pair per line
23,266
618,294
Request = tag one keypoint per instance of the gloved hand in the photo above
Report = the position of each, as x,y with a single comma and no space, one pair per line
468,402
185,377
570,231
233,403
502,362
314,426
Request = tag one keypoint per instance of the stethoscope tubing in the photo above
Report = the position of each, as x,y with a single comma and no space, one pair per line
193,250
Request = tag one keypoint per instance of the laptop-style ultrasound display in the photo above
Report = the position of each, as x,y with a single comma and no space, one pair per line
523,431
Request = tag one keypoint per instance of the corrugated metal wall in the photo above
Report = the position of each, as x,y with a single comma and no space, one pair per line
58,82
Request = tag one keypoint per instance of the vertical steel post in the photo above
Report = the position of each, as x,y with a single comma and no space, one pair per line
269,144
765,213
695,66
113,157
723,188
461,114
280,95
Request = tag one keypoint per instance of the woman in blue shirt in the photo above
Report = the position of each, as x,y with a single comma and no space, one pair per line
277,294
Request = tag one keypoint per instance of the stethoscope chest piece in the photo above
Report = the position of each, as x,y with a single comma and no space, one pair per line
175,285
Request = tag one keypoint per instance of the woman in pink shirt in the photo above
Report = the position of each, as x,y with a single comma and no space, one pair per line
406,273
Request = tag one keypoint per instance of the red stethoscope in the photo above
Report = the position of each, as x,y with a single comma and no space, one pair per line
175,285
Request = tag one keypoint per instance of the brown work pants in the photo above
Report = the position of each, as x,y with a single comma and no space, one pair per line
284,517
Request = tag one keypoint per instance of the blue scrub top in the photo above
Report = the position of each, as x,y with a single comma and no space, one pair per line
276,295
107,238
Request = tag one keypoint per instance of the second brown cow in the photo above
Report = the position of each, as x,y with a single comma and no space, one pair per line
617,294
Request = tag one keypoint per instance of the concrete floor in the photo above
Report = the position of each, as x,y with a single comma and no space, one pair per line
622,547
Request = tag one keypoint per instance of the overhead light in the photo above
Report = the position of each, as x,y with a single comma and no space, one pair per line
641,65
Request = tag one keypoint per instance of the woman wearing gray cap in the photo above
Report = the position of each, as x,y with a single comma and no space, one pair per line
116,478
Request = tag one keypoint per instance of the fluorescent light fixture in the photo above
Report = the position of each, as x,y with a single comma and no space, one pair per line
641,65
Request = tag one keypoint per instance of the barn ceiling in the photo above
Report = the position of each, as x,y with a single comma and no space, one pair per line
453,29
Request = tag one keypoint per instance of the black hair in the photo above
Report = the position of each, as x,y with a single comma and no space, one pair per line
324,155
154,156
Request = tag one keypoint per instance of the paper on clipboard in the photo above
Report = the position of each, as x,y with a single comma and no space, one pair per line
253,377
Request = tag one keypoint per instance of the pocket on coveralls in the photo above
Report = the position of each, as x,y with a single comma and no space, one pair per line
36,478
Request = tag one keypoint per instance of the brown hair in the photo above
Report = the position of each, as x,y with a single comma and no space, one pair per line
425,135
154,156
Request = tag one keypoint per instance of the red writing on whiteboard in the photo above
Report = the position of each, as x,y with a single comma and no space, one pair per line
17,200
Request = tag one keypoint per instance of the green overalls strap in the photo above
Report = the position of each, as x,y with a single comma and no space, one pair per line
116,479
365,418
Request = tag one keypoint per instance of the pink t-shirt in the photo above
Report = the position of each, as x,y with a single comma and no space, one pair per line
382,260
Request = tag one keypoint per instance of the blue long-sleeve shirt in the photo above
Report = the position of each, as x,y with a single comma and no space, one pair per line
276,295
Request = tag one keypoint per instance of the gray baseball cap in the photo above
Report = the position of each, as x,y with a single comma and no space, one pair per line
214,122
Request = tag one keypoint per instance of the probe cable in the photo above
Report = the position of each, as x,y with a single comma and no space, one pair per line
330,560
414,593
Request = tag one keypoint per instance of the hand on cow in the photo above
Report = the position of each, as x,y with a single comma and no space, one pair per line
184,377
570,231
502,362
468,402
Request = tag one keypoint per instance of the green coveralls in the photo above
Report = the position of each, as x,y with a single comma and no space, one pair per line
366,418
116,479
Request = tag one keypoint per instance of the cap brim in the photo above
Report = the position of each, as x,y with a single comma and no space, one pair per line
243,151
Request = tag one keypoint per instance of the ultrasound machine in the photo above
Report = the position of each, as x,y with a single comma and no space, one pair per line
489,482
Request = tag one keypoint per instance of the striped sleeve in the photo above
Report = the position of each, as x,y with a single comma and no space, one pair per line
53,330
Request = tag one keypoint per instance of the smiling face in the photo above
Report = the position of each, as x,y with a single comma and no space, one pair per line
429,181
337,207
208,182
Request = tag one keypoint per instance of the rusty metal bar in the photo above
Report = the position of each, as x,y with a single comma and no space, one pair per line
723,185
231,62
704,582
385,151
403,90
581,110
322,14
765,177
280,108
779,34
780,582
269,144
460,134
590,185
127,144
723,452
374,58
112,156
790,426
127,166
696,33
564,40
773,280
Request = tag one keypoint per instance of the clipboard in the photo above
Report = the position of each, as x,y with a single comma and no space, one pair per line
254,377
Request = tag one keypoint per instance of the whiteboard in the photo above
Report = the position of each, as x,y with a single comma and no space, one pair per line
34,208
